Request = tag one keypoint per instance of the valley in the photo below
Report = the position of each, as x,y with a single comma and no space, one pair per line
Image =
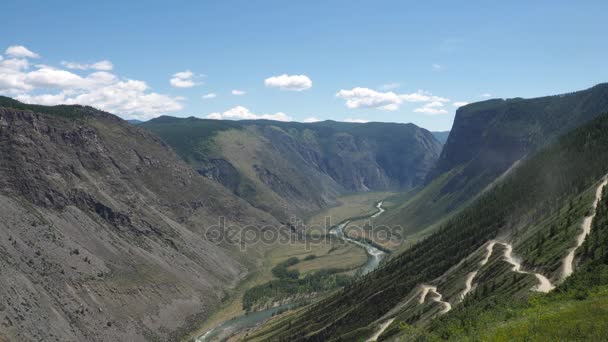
342,254
345,262
510,240
303,171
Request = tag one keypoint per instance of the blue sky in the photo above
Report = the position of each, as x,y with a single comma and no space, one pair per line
398,61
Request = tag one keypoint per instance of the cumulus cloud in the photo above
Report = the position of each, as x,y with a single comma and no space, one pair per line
289,82
356,120
103,65
459,104
431,108
128,97
311,119
368,98
183,79
44,84
20,51
238,92
242,113
209,96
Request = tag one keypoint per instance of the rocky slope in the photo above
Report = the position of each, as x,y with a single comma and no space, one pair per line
486,140
295,168
103,229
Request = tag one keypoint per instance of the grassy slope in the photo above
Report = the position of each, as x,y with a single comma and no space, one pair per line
576,311
545,182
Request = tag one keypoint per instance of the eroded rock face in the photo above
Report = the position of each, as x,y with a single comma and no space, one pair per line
102,232
301,168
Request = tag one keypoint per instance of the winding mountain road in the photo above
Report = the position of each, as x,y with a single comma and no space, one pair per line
437,297
568,263
383,327
544,283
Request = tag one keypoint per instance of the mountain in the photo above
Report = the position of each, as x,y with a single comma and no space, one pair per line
135,122
103,231
442,136
291,168
505,247
486,141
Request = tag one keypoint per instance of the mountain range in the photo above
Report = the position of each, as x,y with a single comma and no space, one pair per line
294,169
107,225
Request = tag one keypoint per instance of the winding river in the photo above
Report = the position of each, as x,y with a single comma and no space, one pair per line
249,320
374,255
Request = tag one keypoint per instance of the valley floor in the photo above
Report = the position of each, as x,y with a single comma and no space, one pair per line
326,256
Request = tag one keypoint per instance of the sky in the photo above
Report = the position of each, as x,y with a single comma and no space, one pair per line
392,61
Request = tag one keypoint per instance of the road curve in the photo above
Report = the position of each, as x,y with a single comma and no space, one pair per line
568,263
437,297
544,283
383,327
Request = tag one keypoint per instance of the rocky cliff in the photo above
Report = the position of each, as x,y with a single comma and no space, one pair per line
486,141
103,228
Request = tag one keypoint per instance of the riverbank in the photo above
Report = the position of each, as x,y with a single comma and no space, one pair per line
232,317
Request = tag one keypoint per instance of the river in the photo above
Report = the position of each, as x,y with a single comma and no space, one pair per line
249,320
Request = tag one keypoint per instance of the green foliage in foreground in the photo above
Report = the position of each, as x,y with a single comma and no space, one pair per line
576,311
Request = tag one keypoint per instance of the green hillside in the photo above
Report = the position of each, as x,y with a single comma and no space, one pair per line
487,139
291,168
576,311
541,187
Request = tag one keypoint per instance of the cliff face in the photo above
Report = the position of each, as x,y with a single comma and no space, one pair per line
490,136
486,140
295,168
103,228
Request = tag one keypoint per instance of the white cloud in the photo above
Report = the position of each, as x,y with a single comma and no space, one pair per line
51,86
209,96
437,67
431,108
459,104
238,92
128,97
242,113
486,95
356,120
183,79
289,82
12,76
103,65
389,86
20,51
368,98
311,119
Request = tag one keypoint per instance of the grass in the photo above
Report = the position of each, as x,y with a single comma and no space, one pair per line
561,321
355,205
326,256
